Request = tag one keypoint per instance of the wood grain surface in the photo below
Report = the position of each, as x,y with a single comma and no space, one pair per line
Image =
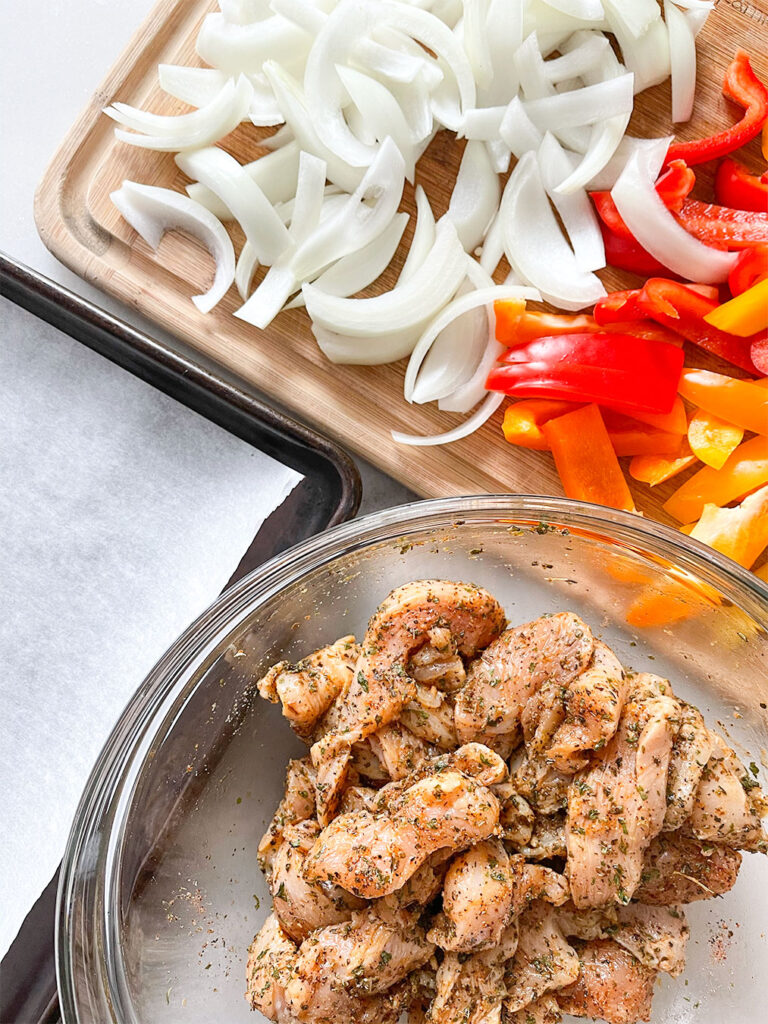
357,405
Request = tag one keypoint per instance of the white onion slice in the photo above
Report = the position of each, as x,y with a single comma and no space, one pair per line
476,41
500,155
185,131
467,395
458,351
292,103
387,62
536,247
275,173
518,130
531,70
646,55
604,142
263,111
682,52
243,12
410,304
196,86
585,10
152,211
469,426
356,351
423,237
310,193
482,123
582,106
575,208
654,226
247,264
244,48
301,13
381,112
229,180
636,15
475,197
359,269
582,57
282,137
697,19
504,31
493,247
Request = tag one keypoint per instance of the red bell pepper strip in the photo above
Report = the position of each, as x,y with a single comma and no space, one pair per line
615,370
721,227
673,187
735,186
628,254
749,269
742,86
516,329
683,310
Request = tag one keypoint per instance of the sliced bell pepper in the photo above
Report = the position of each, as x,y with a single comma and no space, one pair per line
735,186
762,571
628,254
758,353
744,471
750,268
740,532
713,440
745,315
632,437
673,187
615,370
655,469
722,227
523,421
742,402
585,459
516,329
673,422
743,87
682,309
678,601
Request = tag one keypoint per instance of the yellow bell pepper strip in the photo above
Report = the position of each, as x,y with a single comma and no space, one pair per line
712,439
740,532
655,469
744,471
523,421
741,402
745,315
585,459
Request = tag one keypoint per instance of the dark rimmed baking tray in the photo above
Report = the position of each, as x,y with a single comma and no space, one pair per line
329,493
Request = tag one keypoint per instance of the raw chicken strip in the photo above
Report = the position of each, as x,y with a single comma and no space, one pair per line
471,990
678,869
539,782
593,704
430,716
297,805
536,882
340,970
547,840
510,671
380,686
478,897
545,1010
691,750
437,663
306,690
397,750
544,960
612,986
372,855
473,760
517,818
271,957
302,906
728,804
617,806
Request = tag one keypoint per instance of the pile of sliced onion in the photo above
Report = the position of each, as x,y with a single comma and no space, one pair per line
355,91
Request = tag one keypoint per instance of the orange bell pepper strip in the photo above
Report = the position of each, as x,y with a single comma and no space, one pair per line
678,601
745,315
744,471
655,469
631,436
740,532
673,422
585,459
762,571
523,421
741,402
711,439
516,328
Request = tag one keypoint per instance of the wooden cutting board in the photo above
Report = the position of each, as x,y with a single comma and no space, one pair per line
358,405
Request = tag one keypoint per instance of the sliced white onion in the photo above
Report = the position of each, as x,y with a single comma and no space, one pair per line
302,13
647,55
244,48
682,51
275,173
151,211
423,237
575,208
243,12
352,350
493,247
476,41
467,395
553,27
352,273
574,62
582,106
697,19
229,180
381,112
388,63
410,304
605,140
518,130
263,111
637,16
504,31
457,352
654,226
196,86
482,123
427,68
282,137
358,125
310,193
475,196
531,70
469,426
185,131
585,10
536,247
500,155
247,264
291,100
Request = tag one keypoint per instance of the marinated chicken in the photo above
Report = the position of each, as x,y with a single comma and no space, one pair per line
493,826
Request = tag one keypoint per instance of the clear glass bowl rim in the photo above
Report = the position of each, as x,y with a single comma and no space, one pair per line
112,772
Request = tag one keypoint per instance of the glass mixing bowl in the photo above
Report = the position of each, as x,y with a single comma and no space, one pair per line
160,889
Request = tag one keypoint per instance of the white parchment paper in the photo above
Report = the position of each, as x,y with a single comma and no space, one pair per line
122,516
